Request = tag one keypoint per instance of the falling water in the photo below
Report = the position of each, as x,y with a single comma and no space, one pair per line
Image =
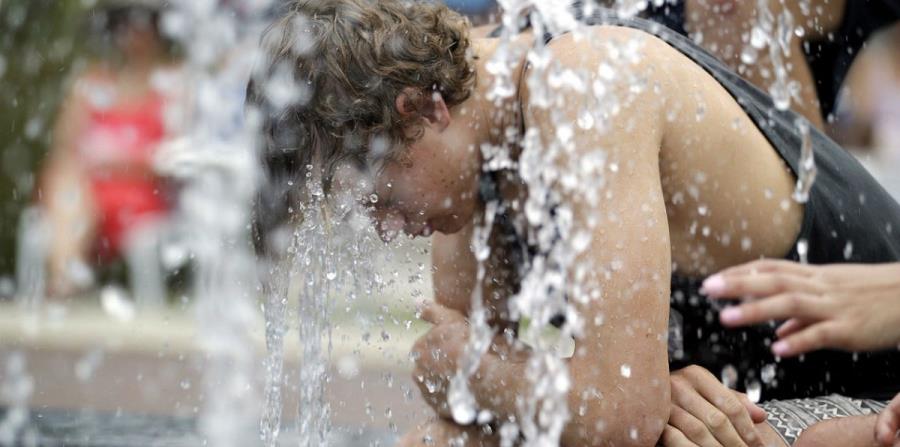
462,404
807,173
16,389
275,282
775,34
31,270
543,412
317,268
217,165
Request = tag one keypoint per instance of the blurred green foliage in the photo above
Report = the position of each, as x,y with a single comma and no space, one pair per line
41,41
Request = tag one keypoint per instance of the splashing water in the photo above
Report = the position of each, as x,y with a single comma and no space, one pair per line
543,413
15,391
220,172
31,271
459,397
807,174
275,292
775,34
315,259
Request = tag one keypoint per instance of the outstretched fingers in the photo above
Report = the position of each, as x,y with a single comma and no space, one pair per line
811,338
757,285
783,306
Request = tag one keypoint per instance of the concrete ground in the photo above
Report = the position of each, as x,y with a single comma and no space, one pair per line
84,360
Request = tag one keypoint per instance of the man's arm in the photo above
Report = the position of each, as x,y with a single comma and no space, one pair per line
619,391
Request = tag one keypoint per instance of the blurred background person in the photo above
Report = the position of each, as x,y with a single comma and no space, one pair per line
815,42
867,120
99,192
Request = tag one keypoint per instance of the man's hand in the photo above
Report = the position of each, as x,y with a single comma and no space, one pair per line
888,425
705,412
437,352
843,306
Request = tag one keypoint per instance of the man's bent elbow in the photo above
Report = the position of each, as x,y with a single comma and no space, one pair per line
640,425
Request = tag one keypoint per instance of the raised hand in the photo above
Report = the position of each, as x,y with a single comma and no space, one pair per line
854,307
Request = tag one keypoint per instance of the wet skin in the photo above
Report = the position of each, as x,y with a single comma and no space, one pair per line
687,190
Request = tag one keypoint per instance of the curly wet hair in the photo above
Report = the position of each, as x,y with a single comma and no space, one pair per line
344,63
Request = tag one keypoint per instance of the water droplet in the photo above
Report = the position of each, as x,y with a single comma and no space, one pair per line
729,376
116,304
461,401
802,250
848,250
807,175
581,241
754,391
758,38
748,55
767,373
625,370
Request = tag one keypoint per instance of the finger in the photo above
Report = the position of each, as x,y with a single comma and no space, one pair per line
791,326
757,414
672,437
694,431
728,403
435,313
767,266
702,409
888,424
756,285
779,307
814,337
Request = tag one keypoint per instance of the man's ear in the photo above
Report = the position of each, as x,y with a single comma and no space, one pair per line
408,101
437,112
431,107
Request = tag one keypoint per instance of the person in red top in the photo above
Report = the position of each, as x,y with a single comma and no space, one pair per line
99,186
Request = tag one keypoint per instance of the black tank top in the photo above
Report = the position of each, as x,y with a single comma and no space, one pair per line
848,217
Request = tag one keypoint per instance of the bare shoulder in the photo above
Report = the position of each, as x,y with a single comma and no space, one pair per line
618,46
614,74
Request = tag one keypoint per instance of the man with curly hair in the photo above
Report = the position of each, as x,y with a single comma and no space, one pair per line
656,165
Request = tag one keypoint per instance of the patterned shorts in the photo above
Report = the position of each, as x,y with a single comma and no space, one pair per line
791,417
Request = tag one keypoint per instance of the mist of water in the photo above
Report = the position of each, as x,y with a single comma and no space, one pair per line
217,165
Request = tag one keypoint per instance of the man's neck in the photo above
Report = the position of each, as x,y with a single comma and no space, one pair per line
488,117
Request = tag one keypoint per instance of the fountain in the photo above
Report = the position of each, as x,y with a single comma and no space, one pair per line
322,265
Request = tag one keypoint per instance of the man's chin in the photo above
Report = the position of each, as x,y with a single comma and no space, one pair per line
449,226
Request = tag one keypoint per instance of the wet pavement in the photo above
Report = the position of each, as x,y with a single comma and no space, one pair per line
100,429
